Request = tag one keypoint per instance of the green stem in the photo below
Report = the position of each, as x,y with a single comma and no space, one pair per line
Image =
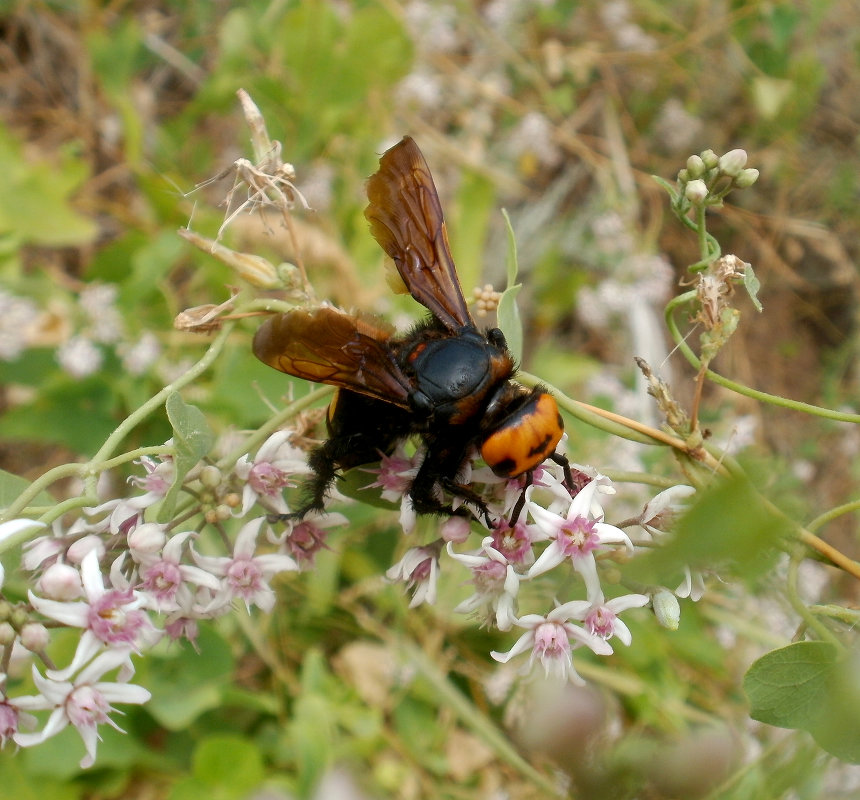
833,513
799,606
746,391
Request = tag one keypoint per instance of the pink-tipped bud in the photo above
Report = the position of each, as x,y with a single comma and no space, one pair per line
77,550
147,538
34,637
696,192
61,582
455,529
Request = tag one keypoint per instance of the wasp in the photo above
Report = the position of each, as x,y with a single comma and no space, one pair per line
444,381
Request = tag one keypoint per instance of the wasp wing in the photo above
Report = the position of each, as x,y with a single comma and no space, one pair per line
406,219
327,345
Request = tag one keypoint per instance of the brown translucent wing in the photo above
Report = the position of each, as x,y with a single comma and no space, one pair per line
327,345
406,219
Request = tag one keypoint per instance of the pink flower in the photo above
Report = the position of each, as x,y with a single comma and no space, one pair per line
575,536
165,579
549,639
496,585
418,569
84,703
270,473
111,618
243,574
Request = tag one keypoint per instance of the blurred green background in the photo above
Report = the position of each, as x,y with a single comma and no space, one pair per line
560,112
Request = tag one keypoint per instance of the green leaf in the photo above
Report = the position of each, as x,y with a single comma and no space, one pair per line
230,763
729,527
508,314
810,686
34,203
192,438
752,285
188,683
17,776
787,687
11,487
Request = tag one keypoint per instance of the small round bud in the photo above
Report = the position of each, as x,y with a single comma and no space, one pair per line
147,538
696,192
683,176
222,512
7,634
733,162
709,159
19,618
6,609
455,529
695,167
210,476
61,582
233,500
746,178
667,609
77,550
34,637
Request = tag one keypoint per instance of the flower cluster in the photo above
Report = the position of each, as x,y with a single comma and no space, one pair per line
558,526
125,582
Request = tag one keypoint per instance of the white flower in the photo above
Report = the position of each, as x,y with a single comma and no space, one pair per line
84,703
419,569
496,584
244,574
575,536
549,639
270,473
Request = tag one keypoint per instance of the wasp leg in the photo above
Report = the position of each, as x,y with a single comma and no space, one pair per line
562,461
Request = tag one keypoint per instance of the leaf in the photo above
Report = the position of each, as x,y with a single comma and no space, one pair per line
729,527
34,203
189,683
786,687
192,438
752,285
11,487
508,314
809,686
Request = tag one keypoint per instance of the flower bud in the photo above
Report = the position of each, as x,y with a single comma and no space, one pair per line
709,159
34,637
455,529
696,192
746,178
61,582
733,162
210,476
147,538
683,176
77,550
667,609
695,167
7,634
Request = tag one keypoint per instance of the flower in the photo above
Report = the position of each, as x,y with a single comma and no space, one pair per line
244,574
165,579
496,585
575,536
549,639
419,569
270,472
84,703
304,538
601,616
111,618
